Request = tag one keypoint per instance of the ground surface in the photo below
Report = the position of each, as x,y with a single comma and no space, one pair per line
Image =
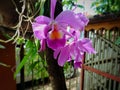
72,84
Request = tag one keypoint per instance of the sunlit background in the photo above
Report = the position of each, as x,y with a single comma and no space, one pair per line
87,9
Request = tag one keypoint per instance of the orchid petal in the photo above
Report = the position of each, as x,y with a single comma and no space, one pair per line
56,53
39,30
79,55
75,53
64,56
77,64
73,50
55,44
53,4
65,31
43,45
43,20
83,18
75,33
87,45
69,18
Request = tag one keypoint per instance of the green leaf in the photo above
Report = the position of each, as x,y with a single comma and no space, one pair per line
95,4
31,55
2,47
32,66
80,6
29,44
20,40
7,36
42,7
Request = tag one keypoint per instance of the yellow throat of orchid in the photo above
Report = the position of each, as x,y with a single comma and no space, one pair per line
55,33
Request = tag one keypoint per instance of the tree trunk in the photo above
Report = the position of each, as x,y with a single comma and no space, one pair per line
56,74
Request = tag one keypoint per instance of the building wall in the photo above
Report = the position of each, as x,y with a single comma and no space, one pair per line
7,56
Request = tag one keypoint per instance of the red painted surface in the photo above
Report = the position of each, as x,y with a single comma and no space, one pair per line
7,56
107,75
82,75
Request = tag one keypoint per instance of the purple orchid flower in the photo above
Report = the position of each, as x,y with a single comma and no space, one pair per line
54,30
65,42
74,51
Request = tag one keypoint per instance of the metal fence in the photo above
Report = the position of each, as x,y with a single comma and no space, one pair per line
102,70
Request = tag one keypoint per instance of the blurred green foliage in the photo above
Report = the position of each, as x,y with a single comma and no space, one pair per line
33,61
103,6
118,41
70,4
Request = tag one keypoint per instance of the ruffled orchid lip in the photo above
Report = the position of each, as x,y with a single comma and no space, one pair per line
55,37
57,43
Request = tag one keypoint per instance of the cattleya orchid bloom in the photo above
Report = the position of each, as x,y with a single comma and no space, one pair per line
62,35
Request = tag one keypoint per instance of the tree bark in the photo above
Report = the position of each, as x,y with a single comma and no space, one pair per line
56,74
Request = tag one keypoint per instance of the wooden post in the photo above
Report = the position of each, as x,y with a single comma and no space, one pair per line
82,75
7,56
